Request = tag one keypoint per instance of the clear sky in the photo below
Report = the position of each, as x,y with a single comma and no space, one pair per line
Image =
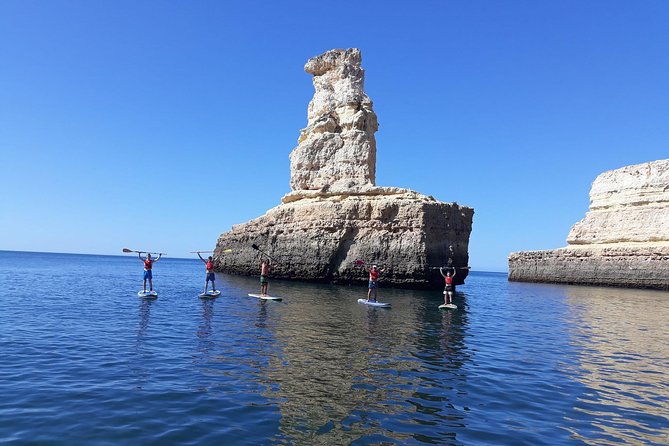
159,124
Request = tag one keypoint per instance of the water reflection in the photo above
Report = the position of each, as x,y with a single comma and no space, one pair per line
624,362
144,316
347,368
441,349
261,320
138,367
372,320
204,333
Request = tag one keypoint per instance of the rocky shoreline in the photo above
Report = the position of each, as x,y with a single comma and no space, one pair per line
320,239
622,241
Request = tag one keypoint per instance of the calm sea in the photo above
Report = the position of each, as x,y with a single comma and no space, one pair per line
83,360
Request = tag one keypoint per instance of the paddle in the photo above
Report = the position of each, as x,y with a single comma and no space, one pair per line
201,252
449,267
143,252
381,268
257,248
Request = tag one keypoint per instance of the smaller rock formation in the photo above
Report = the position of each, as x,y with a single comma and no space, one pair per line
622,241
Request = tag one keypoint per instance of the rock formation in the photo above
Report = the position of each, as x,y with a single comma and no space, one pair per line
337,149
622,241
334,214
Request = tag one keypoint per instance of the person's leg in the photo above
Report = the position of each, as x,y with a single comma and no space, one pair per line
376,287
206,284
369,292
144,287
212,278
149,275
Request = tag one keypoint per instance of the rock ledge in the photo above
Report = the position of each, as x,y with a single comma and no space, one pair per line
622,241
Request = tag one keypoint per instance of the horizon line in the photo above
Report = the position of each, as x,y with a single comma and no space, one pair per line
180,258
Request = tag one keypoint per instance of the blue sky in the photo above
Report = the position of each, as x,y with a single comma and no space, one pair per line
157,125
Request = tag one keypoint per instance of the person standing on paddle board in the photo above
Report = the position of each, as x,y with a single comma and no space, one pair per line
449,288
210,276
373,282
265,267
148,265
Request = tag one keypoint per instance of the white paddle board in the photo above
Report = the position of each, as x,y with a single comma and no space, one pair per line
448,307
373,303
148,294
260,296
210,294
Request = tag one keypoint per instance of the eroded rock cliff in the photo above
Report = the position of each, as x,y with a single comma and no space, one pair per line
622,241
334,214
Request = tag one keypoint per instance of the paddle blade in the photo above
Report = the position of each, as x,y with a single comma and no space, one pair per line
127,250
254,246
359,262
227,250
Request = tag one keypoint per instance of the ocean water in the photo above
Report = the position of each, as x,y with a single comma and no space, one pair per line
83,360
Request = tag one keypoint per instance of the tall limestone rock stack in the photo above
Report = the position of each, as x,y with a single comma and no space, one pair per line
622,241
334,214
337,149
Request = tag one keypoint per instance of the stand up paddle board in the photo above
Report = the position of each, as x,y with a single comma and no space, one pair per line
260,296
210,293
372,303
448,307
148,294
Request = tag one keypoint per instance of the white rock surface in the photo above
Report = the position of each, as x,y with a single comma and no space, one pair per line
321,237
337,148
630,204
622,241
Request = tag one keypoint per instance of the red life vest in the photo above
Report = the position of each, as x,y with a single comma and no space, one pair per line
210,266
373,275
148,264
449,280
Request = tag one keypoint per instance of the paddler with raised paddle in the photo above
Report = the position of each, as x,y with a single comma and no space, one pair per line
373,285
209,274
148,268
449,288
148,271
265,268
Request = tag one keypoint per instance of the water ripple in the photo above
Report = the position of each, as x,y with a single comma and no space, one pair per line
517,364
